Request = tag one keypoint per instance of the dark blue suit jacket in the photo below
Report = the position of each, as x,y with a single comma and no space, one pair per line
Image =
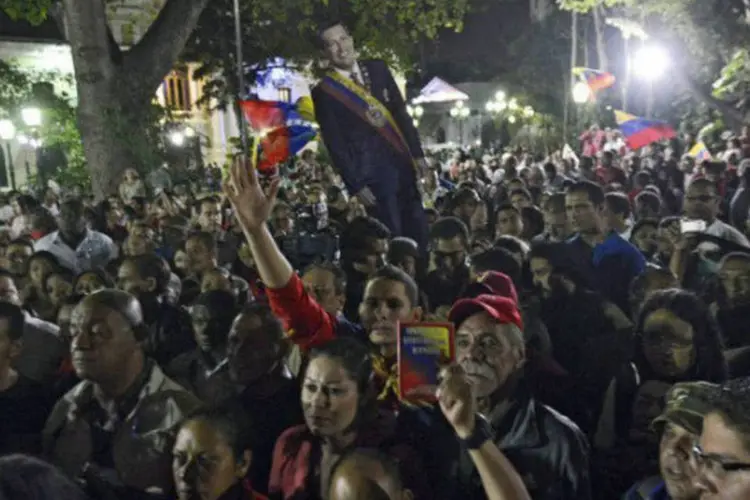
360,155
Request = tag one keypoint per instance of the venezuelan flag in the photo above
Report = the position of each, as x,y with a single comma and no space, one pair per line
595,79
282,130
640,132
700,152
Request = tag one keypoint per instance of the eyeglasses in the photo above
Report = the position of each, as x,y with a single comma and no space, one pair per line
714,465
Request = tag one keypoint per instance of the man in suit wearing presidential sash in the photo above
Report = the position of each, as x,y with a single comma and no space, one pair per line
370,137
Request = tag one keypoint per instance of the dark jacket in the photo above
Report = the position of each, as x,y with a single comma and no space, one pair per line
170,334
549,452
358,152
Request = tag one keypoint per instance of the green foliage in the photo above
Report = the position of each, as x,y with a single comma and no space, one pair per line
584,6
287,29
33,11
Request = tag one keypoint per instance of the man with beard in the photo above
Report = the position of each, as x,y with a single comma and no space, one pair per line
256,350
549,452
680,426
587,343
733,307
449,243
169,330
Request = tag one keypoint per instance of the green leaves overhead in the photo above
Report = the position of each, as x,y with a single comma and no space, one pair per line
33,11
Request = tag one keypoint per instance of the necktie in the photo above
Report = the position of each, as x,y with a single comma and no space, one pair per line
356,79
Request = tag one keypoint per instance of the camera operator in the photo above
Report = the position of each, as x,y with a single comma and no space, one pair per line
305,236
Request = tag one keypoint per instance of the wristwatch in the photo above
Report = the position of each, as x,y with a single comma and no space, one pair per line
483,432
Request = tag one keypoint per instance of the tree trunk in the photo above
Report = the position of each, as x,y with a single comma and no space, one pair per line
115,89
570,78
601,46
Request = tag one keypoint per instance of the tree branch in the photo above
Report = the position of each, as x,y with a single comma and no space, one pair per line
57,14
159,49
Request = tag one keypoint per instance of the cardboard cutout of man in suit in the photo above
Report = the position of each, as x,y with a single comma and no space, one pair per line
371,138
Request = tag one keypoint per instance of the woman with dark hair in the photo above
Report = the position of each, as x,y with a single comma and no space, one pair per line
34,295
677,340
212,454
339,406
27,478
92,280
24,205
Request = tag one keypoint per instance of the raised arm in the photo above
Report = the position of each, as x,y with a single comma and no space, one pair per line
305,320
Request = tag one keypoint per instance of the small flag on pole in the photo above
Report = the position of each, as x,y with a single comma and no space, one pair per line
700,152
640,132
279,130
596,80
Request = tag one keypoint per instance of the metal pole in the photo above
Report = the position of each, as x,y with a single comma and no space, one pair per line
11,168
239,58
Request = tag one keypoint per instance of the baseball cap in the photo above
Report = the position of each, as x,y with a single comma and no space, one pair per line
502,309
686,405
491,283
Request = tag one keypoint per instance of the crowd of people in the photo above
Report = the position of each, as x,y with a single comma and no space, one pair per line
173,341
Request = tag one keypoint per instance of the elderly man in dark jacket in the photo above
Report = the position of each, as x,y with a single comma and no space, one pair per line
549,452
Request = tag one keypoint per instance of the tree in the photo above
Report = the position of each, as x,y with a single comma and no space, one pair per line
115,87
388,29
704,36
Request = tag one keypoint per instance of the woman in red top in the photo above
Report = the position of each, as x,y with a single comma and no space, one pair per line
339,405
212,456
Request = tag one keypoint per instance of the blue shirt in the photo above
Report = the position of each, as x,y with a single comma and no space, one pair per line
658,492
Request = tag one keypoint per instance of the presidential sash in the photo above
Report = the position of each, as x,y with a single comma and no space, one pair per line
367,107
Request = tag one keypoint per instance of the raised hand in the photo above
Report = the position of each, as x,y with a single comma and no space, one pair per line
456,400
252,205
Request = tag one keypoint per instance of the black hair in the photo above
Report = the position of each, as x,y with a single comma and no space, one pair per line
650,199
43,220
703,182
550,170
356,360
27,203
231,421
272,325
206,239
618,203
523,192
21,242
592,190
152,266
221,305
641,283
65,274
393,273
100,273
73,204
45,255
710,364
15,318
507,207
27,478
643,178
500,260
555,203
339,276
357,236
324,26
402,247
643,223
668,221
511,244
447,228
533,221
563,262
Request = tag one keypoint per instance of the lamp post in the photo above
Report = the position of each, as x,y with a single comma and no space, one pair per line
460,113
7,134
650,63
416,113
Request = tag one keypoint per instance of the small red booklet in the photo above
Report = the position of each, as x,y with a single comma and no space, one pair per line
423,349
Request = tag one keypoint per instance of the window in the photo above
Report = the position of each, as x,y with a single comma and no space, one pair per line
177,91
285,94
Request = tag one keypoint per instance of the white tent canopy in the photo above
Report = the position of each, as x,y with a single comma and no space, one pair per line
438,90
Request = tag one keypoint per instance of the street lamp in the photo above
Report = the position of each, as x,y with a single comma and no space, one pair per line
511,119
650,62
500,96
31,116
581,93
460,113
189,132
177,138
7,134
528,112
513,104
415,112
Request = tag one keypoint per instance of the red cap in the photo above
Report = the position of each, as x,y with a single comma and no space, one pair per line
499,284
502,309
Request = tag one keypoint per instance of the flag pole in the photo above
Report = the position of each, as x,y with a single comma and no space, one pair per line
239,58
